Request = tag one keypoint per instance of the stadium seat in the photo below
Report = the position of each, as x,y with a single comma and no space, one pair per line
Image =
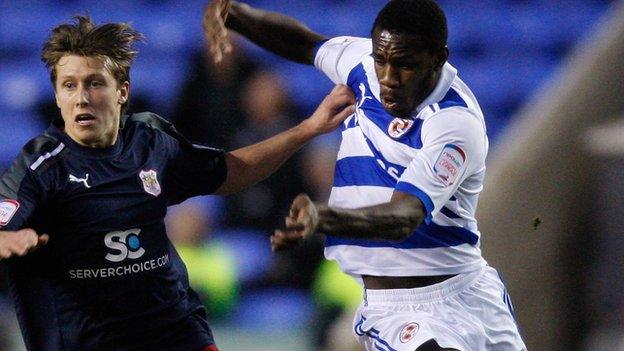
273,309
251,250
493,30
17,129
24,83
159,77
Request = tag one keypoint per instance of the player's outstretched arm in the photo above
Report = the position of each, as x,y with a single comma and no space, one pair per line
280,34
20,243
249,165
394,221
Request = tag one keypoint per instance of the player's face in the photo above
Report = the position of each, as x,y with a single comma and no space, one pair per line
90,100
406,73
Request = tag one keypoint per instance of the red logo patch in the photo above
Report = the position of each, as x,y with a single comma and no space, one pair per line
8,208
399,126
408,332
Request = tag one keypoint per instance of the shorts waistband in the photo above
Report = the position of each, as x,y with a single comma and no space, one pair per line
427,294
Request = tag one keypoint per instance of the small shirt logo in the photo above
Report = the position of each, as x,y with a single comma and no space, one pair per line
358,106
399,126
8,208
449,164
73,178
364,96
150,182
408,332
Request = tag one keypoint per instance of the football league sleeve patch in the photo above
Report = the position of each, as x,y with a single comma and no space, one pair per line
452,149
8,208
449,164
20,194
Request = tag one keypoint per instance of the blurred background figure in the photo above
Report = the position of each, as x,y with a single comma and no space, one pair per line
10,337
517,56
211,264
336,295
209,110
265,109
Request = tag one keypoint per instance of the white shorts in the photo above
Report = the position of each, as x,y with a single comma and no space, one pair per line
468,312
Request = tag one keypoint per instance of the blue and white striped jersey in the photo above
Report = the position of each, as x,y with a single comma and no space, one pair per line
437,156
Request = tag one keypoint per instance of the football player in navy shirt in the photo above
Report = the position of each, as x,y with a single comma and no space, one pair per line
82,207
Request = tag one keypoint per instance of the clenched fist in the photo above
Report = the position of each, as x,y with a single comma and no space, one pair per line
301,222
20,243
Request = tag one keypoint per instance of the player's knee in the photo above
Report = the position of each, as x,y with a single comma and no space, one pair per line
432,345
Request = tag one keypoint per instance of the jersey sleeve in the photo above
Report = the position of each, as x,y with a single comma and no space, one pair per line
454,147
336,57
190,170
20,194
195,170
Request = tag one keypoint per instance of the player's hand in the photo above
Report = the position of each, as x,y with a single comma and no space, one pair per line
301,222
215,15
20,243
332,111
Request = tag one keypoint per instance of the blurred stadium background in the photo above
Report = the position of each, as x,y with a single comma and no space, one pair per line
548,75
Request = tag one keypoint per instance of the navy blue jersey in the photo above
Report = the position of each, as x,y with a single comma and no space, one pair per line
109,278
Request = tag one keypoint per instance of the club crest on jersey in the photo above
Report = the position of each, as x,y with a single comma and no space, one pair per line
408,332
399,126
150,182
449,164
8,208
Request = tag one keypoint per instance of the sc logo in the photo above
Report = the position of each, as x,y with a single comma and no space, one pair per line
126,244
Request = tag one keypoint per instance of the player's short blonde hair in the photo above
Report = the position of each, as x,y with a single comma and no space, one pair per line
111,42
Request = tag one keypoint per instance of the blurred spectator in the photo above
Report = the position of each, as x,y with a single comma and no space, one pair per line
10,336
318,160
267,110
337,296
208,111
212,268
298,266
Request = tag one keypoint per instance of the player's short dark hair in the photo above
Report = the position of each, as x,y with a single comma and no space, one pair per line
423,19
111,42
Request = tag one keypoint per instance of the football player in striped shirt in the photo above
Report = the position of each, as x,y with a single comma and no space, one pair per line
91,194
401,215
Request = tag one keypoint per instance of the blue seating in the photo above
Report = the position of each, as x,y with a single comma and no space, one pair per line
159,77
17,129
274,309
306,85
492,31
25,82
251,249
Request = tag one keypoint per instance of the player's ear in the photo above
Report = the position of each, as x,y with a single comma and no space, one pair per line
56,99
441,57
123,92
